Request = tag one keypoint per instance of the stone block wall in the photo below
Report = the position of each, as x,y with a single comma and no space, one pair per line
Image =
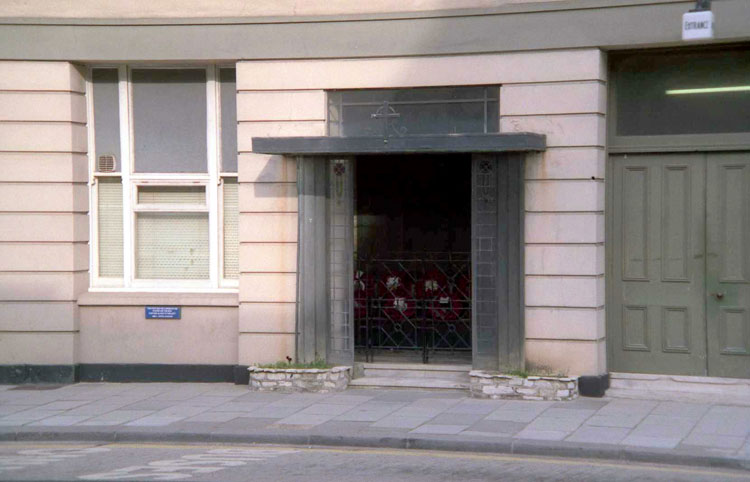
508,387
316,380
268,213
43,212
564,217
558,93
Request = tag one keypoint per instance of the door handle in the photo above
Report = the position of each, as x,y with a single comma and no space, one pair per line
718,295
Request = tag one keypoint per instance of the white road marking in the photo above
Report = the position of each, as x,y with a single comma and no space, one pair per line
37,457
188,465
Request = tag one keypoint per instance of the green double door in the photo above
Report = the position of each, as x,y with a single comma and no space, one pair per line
679,286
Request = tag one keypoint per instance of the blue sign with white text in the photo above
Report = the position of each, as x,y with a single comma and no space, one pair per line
163,312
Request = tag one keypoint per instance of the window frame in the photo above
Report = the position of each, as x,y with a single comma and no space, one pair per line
335,97
213,181
664,142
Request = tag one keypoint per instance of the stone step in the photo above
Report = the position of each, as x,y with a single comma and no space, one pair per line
677,387
404,382
455,373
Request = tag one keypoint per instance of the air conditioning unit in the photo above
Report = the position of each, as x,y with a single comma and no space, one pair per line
106,163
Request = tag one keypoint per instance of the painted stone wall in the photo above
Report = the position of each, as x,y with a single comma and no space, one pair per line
231,8
560,93
564,219
268,214
113,329
43,211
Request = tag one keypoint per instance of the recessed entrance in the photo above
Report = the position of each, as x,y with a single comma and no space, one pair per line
412,251
493,273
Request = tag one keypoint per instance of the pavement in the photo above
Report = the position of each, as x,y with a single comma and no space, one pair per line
658,431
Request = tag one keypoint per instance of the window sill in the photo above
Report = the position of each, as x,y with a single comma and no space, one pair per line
132,298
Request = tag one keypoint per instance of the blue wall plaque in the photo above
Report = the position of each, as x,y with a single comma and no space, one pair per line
163,312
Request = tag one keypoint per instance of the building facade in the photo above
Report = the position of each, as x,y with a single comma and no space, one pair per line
188,191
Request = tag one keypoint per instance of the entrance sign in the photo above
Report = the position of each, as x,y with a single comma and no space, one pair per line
698,25
163,312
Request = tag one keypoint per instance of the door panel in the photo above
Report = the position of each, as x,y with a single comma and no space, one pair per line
484,243
728,264
657,315
497,261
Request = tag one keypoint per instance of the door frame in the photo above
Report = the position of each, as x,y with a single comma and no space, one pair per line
505,322
662,144
712,354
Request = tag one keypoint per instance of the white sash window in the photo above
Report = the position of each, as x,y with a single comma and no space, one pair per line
163,154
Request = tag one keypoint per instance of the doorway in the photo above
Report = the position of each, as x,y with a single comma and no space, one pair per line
680,266
487,289
412,252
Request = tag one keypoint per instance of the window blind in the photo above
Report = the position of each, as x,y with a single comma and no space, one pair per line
172,195
172,246
110,227
231,229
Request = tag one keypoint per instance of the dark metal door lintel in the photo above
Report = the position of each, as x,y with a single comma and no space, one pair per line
467,143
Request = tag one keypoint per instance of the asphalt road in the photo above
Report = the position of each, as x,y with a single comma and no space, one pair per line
21,461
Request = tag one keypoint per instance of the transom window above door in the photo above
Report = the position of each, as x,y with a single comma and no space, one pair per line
163,153
413,112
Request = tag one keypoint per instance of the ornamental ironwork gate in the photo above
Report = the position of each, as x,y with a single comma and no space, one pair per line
419,302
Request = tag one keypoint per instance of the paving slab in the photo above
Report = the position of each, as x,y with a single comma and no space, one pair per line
235,406
581,404
154,421
150,405
63,405
679,409
412,411
258,397
544,423
593,434
440,429
93,409
498,427
275,411
645,430
117,417
714,441
395,421
524,416
244,425
325,409
457,418
181,410
208,400
8,409
623,420
365,414
215,417
60,421
414,395
349,399
305,419
533,434
30,415
617,406
728,421
651,441
335,428
475,406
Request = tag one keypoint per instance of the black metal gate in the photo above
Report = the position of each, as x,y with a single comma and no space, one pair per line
408,301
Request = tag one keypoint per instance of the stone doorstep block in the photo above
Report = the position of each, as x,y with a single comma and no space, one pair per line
318,380
506,387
